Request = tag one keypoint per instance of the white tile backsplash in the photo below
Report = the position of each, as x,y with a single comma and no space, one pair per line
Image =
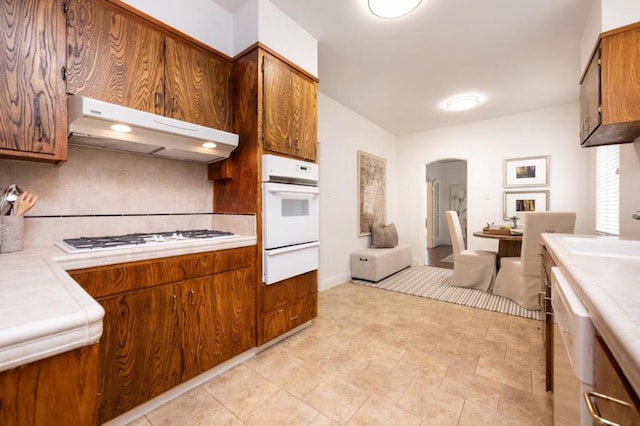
95,181
98,182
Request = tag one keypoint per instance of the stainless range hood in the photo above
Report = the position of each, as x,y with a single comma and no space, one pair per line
91,123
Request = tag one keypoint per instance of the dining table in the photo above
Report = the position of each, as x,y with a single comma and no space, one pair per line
509,245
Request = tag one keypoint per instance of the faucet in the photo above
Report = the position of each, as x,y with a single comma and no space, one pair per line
636,215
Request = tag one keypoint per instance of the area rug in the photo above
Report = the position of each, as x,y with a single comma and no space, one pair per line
434,283
448,259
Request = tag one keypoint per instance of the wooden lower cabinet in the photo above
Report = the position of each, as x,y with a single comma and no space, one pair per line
609,380
284,319
288,304
60,390
157,337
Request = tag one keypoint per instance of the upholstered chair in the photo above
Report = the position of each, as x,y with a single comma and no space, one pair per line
519,277
471,268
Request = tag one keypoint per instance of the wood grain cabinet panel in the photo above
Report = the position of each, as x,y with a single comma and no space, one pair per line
63,389
168,320
290,110
141,348
118,58
114,58
197,86
288,304
610,89
33,122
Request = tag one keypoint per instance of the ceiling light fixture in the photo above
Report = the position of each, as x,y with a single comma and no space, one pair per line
462,103
392,8
209,145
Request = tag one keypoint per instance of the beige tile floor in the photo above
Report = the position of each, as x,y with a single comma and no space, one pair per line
374,357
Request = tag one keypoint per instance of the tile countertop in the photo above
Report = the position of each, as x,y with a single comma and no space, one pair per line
44,312
608,285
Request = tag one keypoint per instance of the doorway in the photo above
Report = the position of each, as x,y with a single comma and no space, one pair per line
446,189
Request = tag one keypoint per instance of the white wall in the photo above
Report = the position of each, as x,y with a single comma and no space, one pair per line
342,133
260,20
485,145
203,20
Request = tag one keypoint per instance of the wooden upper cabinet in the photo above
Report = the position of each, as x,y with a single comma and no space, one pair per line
114,58
197,86
289,110
33,122
610,89
118,58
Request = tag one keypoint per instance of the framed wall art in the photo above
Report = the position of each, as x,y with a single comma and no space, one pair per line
518,203
530,171
372,185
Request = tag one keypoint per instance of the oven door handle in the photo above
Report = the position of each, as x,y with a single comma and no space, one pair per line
306,193
275,252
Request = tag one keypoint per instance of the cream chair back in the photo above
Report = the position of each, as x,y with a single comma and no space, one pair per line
537,223
455,231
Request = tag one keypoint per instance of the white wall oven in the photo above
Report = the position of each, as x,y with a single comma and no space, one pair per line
291,218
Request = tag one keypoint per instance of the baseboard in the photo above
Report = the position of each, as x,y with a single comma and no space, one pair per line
334,281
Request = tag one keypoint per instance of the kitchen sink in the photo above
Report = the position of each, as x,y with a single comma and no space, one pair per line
609,247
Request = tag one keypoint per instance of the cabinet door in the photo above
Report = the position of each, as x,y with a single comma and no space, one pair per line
33,122
140,348
590,116
235,299
197,322
290,110
279,105
306,121
197,86
218,319
114,58
620,83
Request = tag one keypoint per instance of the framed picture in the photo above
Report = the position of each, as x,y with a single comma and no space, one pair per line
372,186
517,203
531,171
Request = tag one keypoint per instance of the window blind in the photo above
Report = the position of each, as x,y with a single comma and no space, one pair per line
608,189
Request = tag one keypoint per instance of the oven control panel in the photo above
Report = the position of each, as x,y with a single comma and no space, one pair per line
289,170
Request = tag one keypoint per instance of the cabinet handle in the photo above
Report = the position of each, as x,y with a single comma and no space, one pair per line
288,142
292,318
173,302
157,99
297,144
174,104
593,408
191,302
40,132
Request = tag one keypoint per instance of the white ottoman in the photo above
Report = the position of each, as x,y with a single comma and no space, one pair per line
374,264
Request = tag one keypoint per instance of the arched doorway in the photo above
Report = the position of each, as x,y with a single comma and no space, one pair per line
446,189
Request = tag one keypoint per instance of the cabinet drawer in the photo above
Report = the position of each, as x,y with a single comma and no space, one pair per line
113,279
289,291
283,319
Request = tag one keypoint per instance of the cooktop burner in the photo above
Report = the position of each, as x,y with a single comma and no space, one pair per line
75,245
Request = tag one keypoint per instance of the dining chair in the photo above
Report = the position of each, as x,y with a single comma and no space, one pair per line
519,277
471,268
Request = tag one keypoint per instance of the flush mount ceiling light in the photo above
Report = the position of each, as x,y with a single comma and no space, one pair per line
209,145
392,8
462,103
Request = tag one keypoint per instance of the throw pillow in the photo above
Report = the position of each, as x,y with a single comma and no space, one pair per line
384,236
